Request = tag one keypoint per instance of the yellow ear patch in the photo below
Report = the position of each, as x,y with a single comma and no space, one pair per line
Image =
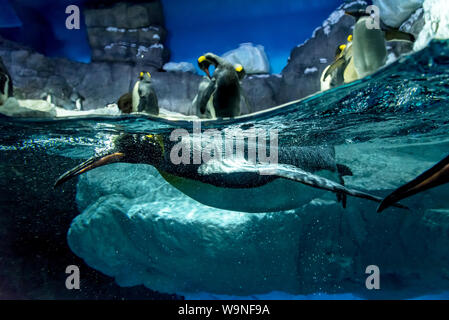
239,68
342,47
141,74
350,38
201,59
149,75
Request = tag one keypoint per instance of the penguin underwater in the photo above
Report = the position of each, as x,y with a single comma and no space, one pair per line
235,184
366,50
223,87
434,177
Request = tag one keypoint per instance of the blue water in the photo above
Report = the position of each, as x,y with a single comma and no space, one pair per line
402,107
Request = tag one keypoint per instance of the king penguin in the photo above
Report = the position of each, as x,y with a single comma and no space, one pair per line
364,53
369,50
434,177
144,97
6,86
299,175
222,92
337,73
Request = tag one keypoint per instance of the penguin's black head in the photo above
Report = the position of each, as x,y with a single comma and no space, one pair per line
357,13
204,64
339,50
129,148
144,75
240,71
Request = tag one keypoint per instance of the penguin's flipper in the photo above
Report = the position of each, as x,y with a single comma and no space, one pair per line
296,174
392,34
435,176
343,170
204,96
248,105
337,64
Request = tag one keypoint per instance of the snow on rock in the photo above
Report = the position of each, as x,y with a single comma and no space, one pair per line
42,109
310,70
252,58
179,67
436,16
395,12
332,20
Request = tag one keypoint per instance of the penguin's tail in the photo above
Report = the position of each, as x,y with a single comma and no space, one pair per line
343,171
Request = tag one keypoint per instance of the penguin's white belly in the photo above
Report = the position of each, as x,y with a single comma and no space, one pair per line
135,97
278,195
4,96
369,50
325,83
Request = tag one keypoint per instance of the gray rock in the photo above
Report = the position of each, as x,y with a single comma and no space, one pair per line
127,32
261,91
301,76
124,14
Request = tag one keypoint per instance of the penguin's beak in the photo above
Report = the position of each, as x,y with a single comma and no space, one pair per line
90,164
435,176
206,70
357,14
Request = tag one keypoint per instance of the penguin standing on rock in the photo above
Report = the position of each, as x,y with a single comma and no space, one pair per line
6,88
365,52
222,92
144,97
334,74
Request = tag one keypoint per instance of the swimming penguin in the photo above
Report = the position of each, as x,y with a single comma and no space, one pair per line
223,88
232,183
368,45
434,177
144,97
6,86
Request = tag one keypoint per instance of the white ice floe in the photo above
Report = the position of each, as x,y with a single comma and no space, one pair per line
395,12
252,58
179,67
436,17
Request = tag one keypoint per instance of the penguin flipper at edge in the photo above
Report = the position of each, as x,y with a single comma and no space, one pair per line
397,35
296,174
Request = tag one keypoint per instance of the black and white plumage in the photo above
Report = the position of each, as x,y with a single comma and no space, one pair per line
6,85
